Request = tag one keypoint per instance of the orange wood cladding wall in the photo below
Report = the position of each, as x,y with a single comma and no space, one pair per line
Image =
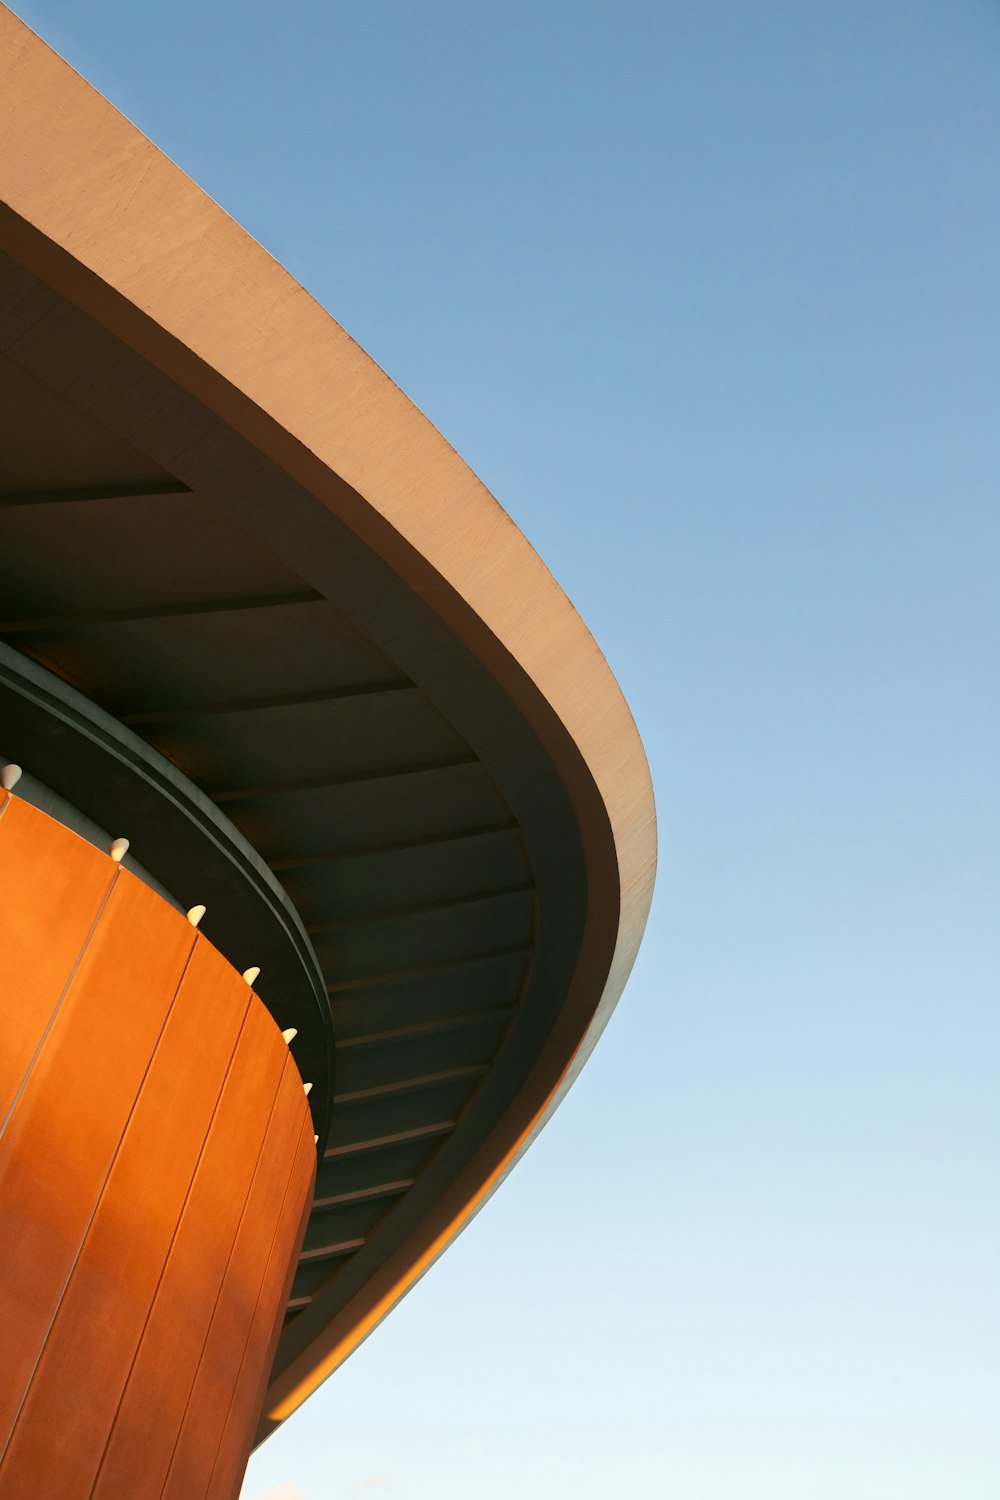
156,1170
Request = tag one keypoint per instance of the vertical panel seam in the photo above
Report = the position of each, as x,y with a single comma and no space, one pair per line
59,1003
97,1203
173,1238
278,1228
222,1283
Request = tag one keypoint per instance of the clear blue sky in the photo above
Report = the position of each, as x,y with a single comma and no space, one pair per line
709,295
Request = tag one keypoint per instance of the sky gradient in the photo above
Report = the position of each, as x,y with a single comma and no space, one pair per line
708,296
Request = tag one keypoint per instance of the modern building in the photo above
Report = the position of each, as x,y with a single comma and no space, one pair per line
391,833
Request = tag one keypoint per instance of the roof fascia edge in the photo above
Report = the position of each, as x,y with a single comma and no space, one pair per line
156,260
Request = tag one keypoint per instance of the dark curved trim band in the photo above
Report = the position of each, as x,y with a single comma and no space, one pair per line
196,854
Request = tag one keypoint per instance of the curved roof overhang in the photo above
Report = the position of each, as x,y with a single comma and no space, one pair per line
229,529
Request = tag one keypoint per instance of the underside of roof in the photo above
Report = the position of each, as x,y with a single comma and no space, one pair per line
267,577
